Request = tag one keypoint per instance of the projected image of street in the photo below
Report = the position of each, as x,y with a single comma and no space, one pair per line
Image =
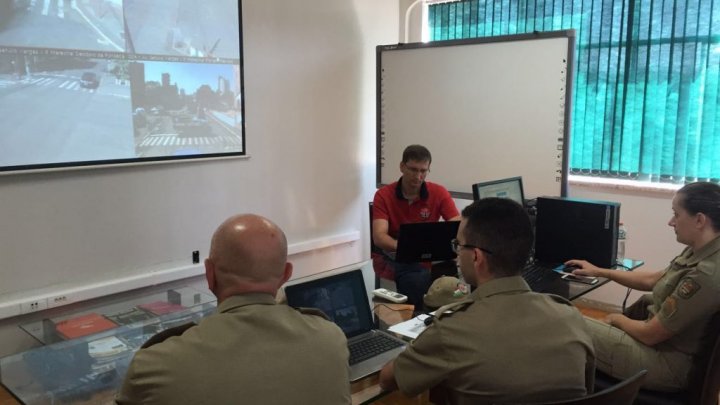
186,108
183,27
94,25
63,109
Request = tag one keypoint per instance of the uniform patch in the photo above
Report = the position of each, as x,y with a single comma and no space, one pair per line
669,307
425,213
687,288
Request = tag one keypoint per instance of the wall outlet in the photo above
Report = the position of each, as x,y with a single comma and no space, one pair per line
196,256
33,306
57,301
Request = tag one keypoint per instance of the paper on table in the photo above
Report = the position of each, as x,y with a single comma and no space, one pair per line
411,328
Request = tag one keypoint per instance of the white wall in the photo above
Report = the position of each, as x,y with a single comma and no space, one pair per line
310,108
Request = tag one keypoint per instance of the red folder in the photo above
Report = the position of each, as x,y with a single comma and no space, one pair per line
83,325
161,307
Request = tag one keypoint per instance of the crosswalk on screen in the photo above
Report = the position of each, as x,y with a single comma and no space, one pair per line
91,82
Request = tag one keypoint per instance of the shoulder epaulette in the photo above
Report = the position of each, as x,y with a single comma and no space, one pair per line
166,334
559,299
312,311
450,308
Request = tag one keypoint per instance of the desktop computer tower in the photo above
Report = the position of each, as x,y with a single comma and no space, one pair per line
571,228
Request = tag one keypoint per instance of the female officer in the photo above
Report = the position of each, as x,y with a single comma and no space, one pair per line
666,328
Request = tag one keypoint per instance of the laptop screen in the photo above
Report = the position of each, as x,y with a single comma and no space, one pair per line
511,188
426,241
341,297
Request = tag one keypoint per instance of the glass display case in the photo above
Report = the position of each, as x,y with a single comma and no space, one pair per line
87,354
97,319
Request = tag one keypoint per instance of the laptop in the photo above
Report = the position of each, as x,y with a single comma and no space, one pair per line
426,241
343,298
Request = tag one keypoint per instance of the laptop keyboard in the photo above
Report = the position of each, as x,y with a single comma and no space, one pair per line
535,275
371,347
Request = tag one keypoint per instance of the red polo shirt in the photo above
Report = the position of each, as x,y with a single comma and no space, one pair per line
434,203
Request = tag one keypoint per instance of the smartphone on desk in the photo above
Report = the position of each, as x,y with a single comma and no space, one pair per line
564,271
579,279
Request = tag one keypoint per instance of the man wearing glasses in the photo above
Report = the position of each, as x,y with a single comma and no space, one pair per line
504,343
408,200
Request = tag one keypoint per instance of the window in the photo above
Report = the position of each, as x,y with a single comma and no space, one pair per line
647,73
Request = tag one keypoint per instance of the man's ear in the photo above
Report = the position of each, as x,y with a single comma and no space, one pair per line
480,259
287,273
210,274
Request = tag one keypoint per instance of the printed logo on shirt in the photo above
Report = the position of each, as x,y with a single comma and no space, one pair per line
669,307
687,288
425,213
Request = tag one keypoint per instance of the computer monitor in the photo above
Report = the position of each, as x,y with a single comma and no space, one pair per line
511,188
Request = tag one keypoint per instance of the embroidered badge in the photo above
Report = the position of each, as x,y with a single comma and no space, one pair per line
669,307
462,289
425,213
687,288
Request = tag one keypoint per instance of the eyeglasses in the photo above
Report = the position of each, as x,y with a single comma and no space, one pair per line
456,246
416,171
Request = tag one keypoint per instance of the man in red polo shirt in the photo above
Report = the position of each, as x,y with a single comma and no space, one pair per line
410,199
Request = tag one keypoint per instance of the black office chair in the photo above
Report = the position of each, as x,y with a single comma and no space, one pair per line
703,384
622,393
384,275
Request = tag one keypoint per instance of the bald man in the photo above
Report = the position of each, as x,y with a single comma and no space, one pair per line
252,350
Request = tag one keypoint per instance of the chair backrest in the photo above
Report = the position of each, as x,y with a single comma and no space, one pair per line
709,376
622,393
380,267
373,248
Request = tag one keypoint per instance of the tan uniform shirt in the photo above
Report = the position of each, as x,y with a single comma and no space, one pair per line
252,351
505,344
688,295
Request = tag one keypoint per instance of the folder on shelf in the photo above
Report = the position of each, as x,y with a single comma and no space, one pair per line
83,325
161,307
130,316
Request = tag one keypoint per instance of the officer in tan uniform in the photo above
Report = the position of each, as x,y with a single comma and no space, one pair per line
664,330
504,343
252,350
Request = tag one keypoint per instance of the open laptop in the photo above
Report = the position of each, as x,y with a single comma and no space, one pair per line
426,241
343,298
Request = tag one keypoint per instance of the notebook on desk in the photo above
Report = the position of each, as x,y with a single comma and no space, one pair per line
426,241
343,298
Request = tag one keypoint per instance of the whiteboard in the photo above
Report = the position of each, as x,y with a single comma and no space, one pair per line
488,109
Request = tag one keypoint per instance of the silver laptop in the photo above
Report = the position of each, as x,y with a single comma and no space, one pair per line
343,298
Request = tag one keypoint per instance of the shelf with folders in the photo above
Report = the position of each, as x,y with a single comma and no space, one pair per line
91,320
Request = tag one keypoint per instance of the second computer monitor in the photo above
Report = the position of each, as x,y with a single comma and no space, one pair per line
511,188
